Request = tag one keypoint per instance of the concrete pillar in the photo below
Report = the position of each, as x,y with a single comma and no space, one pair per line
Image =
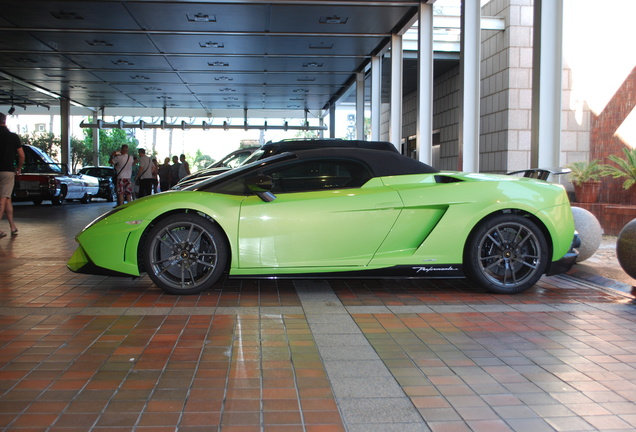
470,63
547,65
332,121
395,126
65,133
424,134
376,96
360,105
95,132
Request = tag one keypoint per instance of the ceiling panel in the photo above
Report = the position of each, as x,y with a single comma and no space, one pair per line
90,15
201,17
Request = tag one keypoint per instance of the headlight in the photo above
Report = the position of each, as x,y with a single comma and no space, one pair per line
102,217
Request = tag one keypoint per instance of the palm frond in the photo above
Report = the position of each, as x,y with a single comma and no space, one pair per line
625,167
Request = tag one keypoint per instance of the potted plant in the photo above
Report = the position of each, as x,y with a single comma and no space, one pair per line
585,176
625,167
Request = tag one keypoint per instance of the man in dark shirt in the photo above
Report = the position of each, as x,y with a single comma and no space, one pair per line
9,146
175,168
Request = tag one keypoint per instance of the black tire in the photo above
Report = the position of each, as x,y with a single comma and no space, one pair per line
506,254
185,254
110,195
37,201
87,198
59,200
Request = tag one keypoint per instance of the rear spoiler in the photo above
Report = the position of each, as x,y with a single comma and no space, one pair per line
541,173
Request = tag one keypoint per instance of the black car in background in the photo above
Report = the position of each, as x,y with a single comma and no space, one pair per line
106,176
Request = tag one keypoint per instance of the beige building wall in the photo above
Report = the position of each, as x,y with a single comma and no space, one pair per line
506,100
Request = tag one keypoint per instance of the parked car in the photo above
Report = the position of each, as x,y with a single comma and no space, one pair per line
338,212
292,144
226,163
106,176
44,179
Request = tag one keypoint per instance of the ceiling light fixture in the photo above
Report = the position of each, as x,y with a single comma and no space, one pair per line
334,19
320,45
312,65
201,17
211,44
99,43
122,62
63,15
11,110
218,64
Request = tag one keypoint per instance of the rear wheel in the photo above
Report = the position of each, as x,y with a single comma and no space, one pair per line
506,254
185,254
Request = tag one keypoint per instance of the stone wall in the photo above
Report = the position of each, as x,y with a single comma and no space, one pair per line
506,100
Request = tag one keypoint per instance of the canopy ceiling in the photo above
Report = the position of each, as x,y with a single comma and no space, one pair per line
190,55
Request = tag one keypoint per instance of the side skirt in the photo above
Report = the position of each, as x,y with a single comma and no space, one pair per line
439,271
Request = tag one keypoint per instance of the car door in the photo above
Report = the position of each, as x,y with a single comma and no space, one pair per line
321,217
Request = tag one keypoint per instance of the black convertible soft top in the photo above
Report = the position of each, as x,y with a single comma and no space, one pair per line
382,163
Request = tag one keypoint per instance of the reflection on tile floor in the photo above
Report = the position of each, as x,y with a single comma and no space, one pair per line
86,353
250,373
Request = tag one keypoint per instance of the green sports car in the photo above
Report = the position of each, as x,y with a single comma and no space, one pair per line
337,212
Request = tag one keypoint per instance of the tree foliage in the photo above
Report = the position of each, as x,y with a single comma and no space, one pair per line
201,161
45,141
82,150
109,141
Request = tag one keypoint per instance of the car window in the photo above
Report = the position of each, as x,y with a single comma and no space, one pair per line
258,154
315,175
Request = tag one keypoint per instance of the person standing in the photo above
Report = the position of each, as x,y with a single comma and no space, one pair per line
10,145
175,168
184,169
165,175
155,176
123,163
144,175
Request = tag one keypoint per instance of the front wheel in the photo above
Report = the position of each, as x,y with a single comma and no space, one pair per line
185,254
506,254
59,200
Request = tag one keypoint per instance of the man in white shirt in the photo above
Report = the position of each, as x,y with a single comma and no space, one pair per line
123,163
145,174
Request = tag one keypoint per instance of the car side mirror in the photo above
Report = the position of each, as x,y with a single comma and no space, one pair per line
261,185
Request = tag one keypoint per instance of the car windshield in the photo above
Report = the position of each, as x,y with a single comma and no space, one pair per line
206,183
253,157
97,172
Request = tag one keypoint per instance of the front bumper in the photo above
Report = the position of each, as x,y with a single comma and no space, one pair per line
81,263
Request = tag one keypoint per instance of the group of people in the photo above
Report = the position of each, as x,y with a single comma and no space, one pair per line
130,170
142,171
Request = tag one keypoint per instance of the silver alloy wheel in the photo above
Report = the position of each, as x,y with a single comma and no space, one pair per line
183,255
510,255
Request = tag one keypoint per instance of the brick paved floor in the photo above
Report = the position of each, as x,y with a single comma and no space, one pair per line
87,353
